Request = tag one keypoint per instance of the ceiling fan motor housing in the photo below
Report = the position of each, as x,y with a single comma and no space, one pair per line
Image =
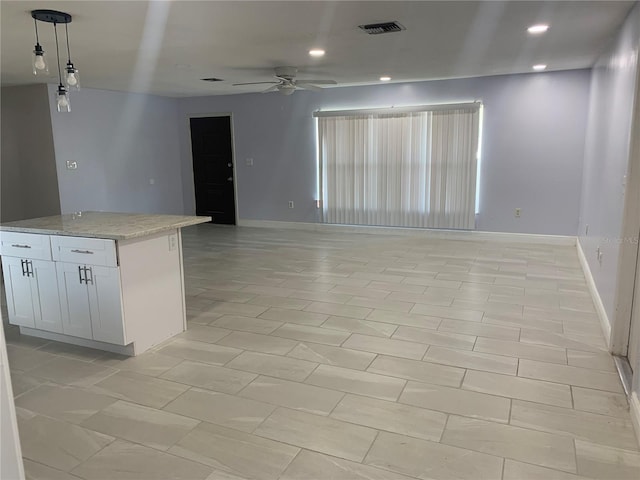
286,72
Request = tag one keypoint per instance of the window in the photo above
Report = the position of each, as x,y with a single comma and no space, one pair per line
408,168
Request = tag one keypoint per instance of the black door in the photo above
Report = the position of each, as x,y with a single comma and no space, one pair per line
213,168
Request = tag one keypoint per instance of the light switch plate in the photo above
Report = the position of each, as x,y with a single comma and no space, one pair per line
71,165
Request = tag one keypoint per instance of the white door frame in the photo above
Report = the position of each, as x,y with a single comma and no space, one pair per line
628,258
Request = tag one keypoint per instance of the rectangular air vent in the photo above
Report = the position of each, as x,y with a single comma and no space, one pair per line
385,27
212,79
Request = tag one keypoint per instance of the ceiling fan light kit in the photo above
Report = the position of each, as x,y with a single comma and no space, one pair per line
39,62
286,89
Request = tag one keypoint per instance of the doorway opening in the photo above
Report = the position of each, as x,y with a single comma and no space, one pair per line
213,168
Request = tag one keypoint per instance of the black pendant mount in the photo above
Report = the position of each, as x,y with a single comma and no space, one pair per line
51,16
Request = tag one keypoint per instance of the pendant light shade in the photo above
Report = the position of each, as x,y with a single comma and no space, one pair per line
39,60
62,99
40,67
71,76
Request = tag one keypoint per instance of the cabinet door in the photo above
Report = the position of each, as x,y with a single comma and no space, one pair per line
106,304
19,293
46,299
74,301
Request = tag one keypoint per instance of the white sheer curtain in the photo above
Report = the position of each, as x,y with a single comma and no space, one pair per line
412,169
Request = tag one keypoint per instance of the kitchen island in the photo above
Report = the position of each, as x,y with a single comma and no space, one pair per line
112,281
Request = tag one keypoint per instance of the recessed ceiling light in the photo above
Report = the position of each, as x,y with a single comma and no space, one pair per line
385,78
538,29
539,67
316,52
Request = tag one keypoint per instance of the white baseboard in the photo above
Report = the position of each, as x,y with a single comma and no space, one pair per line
634,409
82,342
434,233
605,324
277,224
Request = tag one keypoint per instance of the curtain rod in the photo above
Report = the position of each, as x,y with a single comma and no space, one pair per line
387,110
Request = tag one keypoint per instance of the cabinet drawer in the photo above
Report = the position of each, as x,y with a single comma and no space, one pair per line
89,251
25,245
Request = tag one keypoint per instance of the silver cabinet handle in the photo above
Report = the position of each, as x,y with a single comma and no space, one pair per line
82,251
85,279
27,268
17,245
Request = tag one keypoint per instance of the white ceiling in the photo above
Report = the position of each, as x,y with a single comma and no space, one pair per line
167,47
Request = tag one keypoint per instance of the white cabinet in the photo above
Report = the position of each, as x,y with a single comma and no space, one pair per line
74,301
123,296
92,251
106,306
19,292
48,315
32,293
25,245
78,294
91,302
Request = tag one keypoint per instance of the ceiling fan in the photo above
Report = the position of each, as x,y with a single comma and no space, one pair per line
286,82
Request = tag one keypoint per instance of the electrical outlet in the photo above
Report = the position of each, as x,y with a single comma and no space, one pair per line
249,162
71,165
517,213
290,203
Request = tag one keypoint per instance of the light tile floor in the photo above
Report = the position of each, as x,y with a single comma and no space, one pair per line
342,356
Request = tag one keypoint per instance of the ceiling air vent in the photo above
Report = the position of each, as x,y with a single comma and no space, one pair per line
212,79
385,27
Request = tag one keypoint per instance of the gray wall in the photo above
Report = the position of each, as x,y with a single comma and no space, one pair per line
532,145
29,185
607,157
121,143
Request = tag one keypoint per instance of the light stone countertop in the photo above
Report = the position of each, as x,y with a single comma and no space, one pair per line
115,226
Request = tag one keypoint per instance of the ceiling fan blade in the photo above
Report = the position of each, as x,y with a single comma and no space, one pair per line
271,89
317,82
308,86
251,83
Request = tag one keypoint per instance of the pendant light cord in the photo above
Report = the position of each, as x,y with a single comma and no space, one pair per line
66,29
35,22
55,29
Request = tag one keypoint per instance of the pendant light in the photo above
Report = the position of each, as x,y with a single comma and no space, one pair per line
71,78
62,98
39,59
